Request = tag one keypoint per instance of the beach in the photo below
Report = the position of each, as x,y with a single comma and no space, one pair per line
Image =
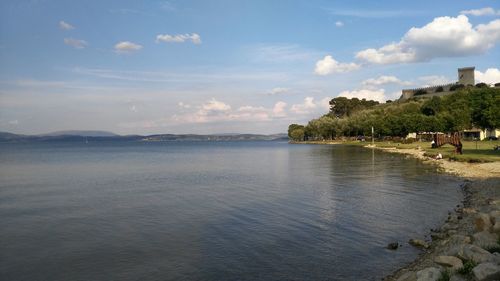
461,169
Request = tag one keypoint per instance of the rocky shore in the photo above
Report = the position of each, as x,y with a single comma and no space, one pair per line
467,246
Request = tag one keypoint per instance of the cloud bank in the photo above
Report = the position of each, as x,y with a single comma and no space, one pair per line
490,76
443,37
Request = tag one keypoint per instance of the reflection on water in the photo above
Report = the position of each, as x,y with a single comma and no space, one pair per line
211,211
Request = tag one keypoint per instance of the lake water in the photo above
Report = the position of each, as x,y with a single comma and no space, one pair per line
212,211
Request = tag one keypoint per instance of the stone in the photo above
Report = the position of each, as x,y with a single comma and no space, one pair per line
408,276
494,217
459,239
485,240
452,232
449,226
419,243
486,271
496,227
438,236
457,277
449,261
429,274
475,253
482,222
469,211
393,246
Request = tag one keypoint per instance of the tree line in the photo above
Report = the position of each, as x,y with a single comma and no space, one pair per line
471,107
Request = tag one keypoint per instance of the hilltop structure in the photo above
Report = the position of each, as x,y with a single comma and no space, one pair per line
465,78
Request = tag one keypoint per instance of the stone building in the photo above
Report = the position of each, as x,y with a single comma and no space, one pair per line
465,78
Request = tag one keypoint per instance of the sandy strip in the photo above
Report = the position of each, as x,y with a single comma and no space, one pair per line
462,169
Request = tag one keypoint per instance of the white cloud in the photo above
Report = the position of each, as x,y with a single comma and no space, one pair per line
488,11
278,90
325,103
310,106
179,38
65,26
212,110
433,80
303,108
215,106
443,37
75,43
377,95
383,80
329,65
279,109
490,76
127,47
339,24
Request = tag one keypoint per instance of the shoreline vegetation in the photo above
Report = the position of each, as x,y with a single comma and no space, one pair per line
467,245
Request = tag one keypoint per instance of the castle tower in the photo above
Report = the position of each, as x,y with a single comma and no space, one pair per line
466,76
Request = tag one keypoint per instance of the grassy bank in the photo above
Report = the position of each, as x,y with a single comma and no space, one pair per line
473,152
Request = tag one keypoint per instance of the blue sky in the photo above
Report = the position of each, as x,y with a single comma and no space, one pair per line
144,67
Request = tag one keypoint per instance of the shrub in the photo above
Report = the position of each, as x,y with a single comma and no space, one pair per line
457,87
445,276
439,89
495,249
467,268
482,85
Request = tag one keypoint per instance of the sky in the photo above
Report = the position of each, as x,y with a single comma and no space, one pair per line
226,66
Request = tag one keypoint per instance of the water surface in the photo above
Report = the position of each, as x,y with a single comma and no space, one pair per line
212,211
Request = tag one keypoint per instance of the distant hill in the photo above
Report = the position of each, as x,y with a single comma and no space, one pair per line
93,136
9,136
218,137
81,133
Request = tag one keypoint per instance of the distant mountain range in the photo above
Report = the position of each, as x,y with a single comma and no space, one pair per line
81,133
87,136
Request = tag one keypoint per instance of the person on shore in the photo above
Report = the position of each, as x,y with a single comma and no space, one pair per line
433,144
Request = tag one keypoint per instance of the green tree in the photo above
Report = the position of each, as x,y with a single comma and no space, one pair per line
485,107
341,107
432,106
297,134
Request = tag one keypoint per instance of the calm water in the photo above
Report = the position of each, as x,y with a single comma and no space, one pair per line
212,211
